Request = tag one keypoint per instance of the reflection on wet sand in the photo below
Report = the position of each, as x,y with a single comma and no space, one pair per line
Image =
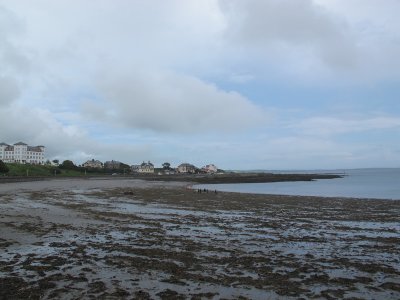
131,239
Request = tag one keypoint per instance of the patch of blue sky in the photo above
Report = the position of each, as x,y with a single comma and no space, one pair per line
371,137
320,99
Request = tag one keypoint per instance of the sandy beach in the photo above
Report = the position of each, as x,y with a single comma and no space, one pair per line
134,239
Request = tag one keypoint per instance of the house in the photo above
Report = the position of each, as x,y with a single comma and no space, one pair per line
146,167
186,168
22,153
93,164
210,169
112,165
135,168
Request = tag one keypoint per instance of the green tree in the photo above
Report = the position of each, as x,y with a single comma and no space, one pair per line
56,161
3,167
124,166
68,165
166,166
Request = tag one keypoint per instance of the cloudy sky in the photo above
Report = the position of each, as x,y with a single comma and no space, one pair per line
243,84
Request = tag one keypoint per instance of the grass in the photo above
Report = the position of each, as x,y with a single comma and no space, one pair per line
39,170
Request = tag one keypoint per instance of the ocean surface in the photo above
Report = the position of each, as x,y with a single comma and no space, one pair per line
356,183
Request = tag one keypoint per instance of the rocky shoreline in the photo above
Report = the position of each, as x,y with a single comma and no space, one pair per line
134,239
240,177
197,178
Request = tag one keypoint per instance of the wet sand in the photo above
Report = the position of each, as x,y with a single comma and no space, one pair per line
131,239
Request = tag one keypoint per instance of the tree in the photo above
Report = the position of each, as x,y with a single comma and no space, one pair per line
3,167
68,165
166,166
124,168
56,161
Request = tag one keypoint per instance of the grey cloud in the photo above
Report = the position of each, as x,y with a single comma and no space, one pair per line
170,102
9,90
12,60
346,42
11,56
286,24
268,20
9,24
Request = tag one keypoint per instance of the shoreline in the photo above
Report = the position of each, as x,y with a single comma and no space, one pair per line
310,197
135,182
199,178
213,189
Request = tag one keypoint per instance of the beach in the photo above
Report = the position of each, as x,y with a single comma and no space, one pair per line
135,239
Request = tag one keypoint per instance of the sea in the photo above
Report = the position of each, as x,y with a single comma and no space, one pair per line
356,183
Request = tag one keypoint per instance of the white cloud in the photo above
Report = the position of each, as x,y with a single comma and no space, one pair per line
38,126
170,102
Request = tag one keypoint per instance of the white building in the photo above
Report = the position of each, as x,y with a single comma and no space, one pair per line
210,169
146,167
22,153
186,168
93,164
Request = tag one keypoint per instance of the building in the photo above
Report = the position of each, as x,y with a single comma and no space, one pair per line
93,164
210,169
135,168
112,165
22,153
146,167
186,168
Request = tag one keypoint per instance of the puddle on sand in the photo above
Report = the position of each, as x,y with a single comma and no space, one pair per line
105,244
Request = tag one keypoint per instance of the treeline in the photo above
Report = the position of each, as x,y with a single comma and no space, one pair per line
66,168
69,165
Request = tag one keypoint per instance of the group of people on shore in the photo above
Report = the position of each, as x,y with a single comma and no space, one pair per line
199,191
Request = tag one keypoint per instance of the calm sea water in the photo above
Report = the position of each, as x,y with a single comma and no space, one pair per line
359,183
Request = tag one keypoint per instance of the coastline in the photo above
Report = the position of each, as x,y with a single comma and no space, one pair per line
201,178
119,239
106,183
371,184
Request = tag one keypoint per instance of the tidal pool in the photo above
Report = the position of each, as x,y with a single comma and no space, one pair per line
135,240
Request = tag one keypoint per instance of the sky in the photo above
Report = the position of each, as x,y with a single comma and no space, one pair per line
242,84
